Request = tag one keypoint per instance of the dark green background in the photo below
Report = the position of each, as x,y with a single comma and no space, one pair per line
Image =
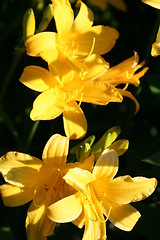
137,28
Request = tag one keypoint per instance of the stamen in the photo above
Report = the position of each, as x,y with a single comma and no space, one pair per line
125,86
109,212
92,47
80,100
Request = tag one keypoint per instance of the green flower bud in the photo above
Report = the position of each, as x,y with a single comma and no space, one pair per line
106,140
28,24
46,18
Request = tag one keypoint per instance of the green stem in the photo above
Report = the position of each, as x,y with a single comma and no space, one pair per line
31,135
10,74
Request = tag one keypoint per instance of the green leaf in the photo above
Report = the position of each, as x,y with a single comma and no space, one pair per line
153,159
5,233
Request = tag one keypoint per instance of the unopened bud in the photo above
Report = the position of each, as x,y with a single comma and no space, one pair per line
106,140
120,146
28,24
46,18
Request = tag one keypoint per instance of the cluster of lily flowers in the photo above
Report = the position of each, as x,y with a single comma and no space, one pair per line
85,192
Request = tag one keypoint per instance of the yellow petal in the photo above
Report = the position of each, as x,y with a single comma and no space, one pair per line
106,165
78,178
63,15
38,225
13,196
50,56
37,78
40,195
155,51
119,74
98,93
40,42
153,3
74,121
66,209
21,169
123,217
46,107
96,67
123,190
80,221
56,150
62,67
120,146
105,38
119,4
84,19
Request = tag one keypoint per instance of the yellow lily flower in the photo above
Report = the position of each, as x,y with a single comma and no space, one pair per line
62,87
153,3
98,194
75,38
124,73
28,178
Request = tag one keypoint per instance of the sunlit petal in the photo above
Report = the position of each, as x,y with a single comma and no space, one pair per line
13,196
74,120
78,178
123,190
56,150
153,3
66,209
121,216
63,15
118,74
105,38
106,165
98,93
124,217
46,107
21,169
84,18
40,42
96,66
80,221
38,225
37,78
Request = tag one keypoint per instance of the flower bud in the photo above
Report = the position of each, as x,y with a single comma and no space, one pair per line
28,24
106,140
46,18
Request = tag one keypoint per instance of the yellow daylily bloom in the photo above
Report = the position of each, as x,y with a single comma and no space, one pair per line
76,38
153,3
62,87
124,73
98,194
28,178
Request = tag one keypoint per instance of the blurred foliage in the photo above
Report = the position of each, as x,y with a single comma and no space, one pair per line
137,28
